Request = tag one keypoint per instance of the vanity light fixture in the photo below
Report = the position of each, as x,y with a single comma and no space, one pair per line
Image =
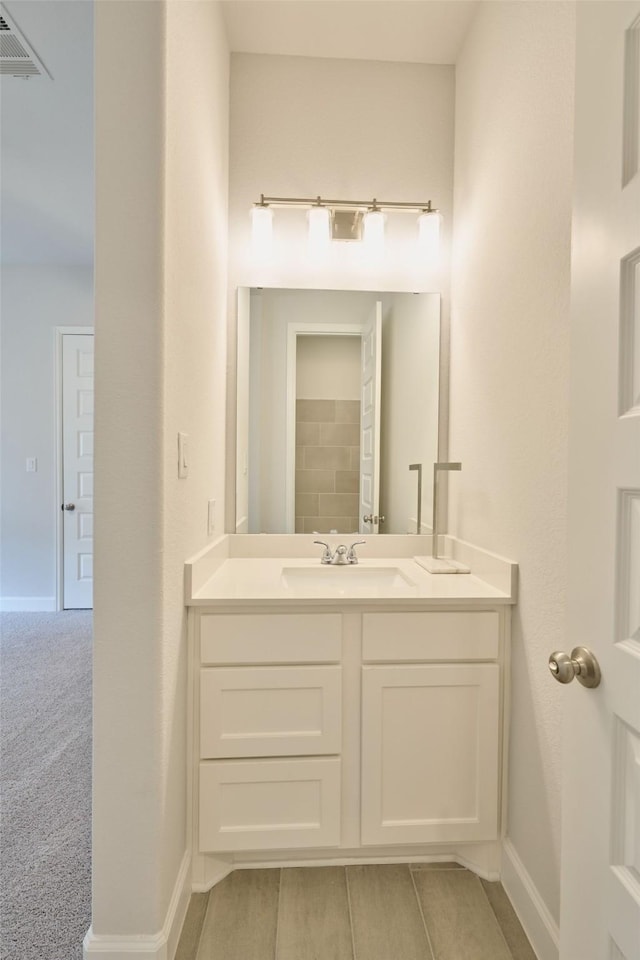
261,229
347,220
319,224
429,223
373,222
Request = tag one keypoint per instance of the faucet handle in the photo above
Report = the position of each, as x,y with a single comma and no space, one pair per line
327,556
352,557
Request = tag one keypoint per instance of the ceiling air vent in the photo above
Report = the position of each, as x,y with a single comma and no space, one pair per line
18,59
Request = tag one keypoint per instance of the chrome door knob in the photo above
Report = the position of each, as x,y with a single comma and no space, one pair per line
69,506
369,518
582,665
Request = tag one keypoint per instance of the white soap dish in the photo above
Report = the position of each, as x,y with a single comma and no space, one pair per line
441,565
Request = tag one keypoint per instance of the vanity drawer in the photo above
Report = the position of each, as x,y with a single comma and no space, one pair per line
270,711
269,804
460,635
270,638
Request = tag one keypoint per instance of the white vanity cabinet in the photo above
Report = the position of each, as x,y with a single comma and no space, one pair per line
269,734
430,727
416,762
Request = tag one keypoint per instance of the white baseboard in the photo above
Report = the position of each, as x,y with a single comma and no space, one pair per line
158,946
538,924
28,604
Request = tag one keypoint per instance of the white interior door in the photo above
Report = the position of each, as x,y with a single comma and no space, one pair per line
600,914
370,421
77,471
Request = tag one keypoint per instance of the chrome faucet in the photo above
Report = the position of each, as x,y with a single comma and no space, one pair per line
352,556
343,555
327,555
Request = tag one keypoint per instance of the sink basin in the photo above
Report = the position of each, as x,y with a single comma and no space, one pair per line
347,581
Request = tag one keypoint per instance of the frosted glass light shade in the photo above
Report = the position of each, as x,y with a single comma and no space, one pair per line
319,221
261,230
429,235
374,232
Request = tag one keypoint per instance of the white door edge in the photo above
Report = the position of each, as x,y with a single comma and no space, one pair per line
59,333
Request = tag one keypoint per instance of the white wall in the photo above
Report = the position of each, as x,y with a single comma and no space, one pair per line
34,299
509,368
162,146
348,130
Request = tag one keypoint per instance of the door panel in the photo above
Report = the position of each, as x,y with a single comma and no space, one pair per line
77,470
600,912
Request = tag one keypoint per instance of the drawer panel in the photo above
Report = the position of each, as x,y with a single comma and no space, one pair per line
269,804
270,711
270,638
394,637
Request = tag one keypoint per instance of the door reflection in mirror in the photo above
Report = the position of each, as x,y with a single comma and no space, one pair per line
337,394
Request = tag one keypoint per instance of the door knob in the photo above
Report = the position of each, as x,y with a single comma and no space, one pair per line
369,518
582,664
69,506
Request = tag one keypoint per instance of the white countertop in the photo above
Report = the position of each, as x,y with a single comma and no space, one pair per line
269,581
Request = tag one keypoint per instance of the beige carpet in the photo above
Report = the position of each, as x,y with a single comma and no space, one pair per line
45,784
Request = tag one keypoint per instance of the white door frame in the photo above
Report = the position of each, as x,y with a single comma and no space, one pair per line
295,330
59,333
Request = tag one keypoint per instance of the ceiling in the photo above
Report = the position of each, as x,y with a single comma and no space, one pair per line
46,126
411,31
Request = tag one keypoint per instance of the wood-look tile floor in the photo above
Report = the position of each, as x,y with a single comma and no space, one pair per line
392,912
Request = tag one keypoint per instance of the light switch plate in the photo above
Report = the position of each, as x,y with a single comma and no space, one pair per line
183,456
211,517
32,464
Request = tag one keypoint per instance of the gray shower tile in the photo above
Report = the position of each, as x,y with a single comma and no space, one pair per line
313,918
315,481
385,914
319,411
192,927
509,924
347,411
338,504
347,481
306,504
242,916
339,434
326,458
307,434
458,916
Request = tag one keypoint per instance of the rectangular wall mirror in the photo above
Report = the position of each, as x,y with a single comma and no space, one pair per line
337,396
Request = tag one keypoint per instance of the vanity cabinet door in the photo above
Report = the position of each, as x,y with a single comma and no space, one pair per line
430,753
